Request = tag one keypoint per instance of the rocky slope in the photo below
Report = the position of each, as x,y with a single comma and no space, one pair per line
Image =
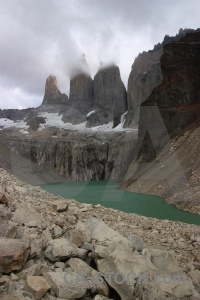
47,241
172,107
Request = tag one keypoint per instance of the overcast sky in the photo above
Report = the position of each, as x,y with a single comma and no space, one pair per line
38,38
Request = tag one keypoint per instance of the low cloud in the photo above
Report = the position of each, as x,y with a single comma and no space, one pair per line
39,38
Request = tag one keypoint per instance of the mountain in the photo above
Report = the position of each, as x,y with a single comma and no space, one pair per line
91,136
110,99
168,119
145,75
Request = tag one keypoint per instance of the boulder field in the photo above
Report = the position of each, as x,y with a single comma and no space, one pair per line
54,248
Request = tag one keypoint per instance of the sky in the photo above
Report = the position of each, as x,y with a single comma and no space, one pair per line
39,38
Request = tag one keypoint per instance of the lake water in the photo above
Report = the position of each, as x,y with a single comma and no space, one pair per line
107,194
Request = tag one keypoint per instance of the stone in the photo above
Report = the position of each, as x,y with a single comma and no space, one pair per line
57,231
64,285
37,285
13,254
195,276
163,260
45,237
14,277
138,243
121,261
59,205
79,266
34,122
3,199
26,214
7,231
34,270
59,249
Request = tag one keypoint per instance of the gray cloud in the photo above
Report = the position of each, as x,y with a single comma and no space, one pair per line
38,38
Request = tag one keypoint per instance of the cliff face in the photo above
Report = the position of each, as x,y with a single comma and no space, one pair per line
171,109
52,93
66,154
177,98
109,97
146,74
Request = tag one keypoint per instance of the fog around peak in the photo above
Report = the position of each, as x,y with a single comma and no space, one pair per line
45,37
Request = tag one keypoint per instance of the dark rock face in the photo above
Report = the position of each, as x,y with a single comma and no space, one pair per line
35,122
66,155
109,96
81,94
81,86
99,117
52,93
15,114
146,74
177,99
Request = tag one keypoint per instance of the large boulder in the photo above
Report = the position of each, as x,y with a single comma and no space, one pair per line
13,254
65,285
60,249
37,285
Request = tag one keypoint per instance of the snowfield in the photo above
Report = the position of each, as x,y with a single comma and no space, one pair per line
55,120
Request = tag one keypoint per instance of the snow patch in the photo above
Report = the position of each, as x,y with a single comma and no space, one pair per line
90,113
4,122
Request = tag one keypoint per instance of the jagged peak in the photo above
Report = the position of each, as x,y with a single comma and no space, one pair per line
80,68
51,84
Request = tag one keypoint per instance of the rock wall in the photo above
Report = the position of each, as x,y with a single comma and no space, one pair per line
146,74
52,93
71,155
164,161
109,97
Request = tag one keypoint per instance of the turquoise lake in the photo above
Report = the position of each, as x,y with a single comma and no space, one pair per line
107,194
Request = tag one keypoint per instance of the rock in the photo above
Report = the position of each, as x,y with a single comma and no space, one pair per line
195,276
14,277
64,285
138,243
109,95
7,231
16,295
52,94
169,287
60,249
121,261
59,205
79,266
81,87
100,297
37,285
34,122
45,237
3,199
163,260
26,214
35,270
13,254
